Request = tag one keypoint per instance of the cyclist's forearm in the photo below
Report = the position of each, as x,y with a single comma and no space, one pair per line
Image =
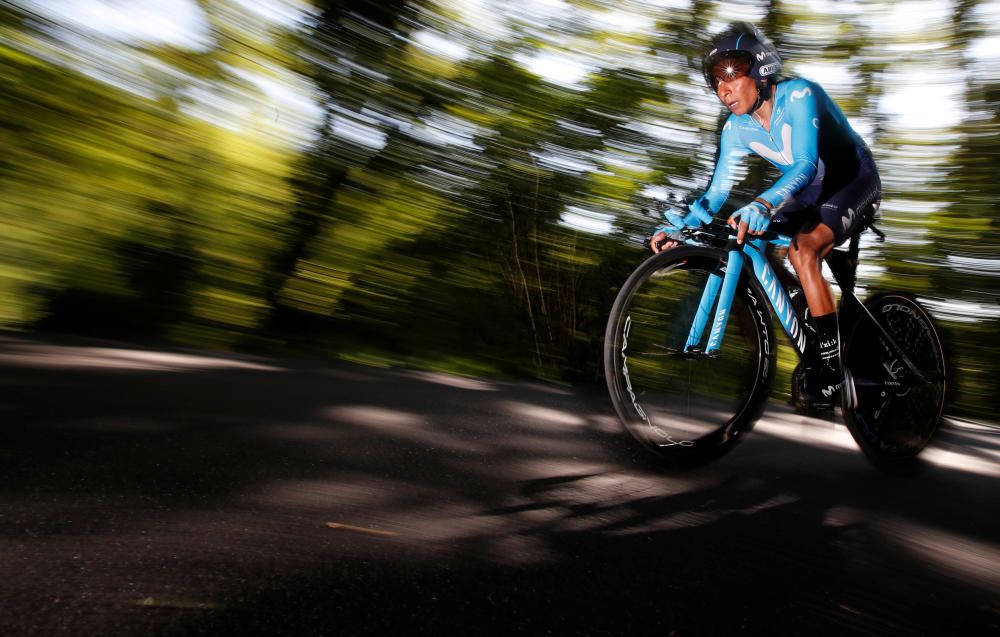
798,177
714,198
719,188
731,154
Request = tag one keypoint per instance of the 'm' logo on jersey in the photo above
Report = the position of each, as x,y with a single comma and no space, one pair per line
846,222
781,157
797,95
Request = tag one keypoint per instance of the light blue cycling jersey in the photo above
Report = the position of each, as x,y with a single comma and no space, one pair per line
810,142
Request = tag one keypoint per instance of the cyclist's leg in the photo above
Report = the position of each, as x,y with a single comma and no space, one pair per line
798,213
823,374
777,257
840,217
848,213
809,247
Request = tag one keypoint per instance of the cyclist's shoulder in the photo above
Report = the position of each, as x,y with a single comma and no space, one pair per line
794,89
797,82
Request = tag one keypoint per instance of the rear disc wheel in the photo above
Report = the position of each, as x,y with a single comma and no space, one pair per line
896,380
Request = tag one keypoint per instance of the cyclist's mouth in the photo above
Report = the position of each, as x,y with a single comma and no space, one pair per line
732,105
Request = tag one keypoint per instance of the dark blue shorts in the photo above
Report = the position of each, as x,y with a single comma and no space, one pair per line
846,210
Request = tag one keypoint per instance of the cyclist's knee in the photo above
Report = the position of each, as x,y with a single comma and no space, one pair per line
802,254
811,246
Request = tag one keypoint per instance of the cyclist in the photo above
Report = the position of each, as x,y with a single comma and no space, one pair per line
829,187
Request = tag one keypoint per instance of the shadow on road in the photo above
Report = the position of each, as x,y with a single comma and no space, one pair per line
186,493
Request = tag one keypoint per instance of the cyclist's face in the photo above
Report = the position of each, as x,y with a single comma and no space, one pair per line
732,85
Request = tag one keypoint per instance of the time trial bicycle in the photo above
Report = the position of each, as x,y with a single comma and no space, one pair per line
690,352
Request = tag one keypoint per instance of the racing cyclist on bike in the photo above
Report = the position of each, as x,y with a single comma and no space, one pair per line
828,190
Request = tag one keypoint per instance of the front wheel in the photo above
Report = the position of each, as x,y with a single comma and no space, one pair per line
895,380
687,406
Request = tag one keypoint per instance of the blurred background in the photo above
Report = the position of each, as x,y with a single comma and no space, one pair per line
450,184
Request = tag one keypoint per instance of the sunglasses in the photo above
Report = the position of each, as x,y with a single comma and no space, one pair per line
728,69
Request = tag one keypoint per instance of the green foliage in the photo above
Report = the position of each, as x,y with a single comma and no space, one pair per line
122,216
450,210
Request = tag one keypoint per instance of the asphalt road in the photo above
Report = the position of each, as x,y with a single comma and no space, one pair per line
174,493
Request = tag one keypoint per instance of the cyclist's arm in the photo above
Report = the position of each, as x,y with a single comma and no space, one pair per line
732,150
802,135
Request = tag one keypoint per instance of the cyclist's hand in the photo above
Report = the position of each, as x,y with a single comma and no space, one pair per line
667,237
662,237
661,241
752,218
741,228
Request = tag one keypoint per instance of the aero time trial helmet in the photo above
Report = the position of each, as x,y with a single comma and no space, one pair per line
746,51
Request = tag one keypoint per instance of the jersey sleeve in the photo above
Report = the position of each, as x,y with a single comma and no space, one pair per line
732,150
801,134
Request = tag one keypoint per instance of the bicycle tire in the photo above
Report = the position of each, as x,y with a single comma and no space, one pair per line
686,408
893,413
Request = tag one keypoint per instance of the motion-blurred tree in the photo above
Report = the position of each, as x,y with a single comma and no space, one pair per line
351,48
470,191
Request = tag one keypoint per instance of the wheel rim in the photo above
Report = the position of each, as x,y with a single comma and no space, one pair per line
670,400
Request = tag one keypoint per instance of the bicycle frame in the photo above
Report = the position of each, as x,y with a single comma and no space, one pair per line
721,290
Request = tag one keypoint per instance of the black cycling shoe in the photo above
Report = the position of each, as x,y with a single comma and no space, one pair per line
819,386
816,389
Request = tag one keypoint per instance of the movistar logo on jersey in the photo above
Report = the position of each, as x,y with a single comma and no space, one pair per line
797,95
782,156
846,222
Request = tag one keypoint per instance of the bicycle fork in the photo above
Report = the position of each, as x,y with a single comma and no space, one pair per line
720,290
717,288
